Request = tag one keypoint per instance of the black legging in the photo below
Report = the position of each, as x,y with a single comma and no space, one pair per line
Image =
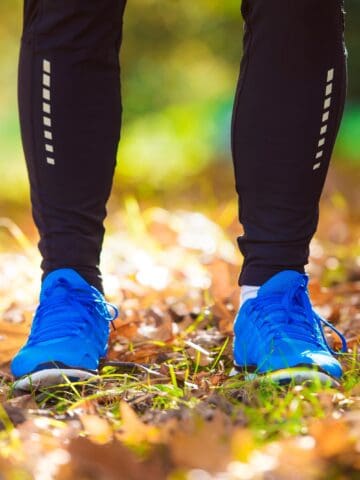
287,112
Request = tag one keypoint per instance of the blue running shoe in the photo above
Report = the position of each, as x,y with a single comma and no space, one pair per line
69,333
279,334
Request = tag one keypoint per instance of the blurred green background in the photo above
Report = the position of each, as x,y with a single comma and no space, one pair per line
180,62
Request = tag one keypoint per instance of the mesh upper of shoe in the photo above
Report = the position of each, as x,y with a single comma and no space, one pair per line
70,326
279,328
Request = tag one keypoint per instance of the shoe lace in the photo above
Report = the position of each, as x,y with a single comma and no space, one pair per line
84,301
296,317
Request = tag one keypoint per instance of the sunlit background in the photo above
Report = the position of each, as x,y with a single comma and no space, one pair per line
180,63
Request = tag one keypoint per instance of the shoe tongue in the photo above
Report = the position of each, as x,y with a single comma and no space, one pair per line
68,274
280,283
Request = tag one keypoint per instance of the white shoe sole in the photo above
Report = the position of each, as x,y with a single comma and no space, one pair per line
52,376
290,376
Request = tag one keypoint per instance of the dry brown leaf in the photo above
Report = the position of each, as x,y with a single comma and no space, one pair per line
134,431
13,415
222,285
144,353
242,444
24,402
332,437
319,295
197,443
112,461
224,318
128,330
97,429
12,337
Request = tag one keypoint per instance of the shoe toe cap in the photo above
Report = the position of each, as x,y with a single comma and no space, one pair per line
321,360
23,363
325,361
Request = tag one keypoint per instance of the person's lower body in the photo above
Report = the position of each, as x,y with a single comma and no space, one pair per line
287,112
289,102
286,116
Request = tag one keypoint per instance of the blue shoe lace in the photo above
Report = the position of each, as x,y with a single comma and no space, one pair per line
86,302
291,307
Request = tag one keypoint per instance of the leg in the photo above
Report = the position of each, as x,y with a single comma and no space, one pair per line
288,107
287,113
70,112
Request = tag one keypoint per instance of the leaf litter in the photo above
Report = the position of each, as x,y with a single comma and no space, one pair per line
165,406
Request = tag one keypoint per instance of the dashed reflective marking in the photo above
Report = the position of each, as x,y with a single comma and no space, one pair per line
327,103
46,80
329,89
46,106
46,66
330,75
329,85
325,117
46,94
47,121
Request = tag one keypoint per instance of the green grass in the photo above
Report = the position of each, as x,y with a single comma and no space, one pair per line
269,410
182,388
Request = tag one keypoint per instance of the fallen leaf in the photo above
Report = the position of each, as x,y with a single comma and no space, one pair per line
112,461
133,430
197,443
12,337
97,429
332,437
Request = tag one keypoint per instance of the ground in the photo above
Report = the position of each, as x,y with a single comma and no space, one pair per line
171,410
